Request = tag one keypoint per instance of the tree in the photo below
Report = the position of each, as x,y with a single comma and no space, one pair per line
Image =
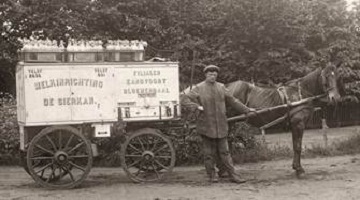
268,41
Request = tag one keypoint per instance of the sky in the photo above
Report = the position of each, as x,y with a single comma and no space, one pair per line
351,1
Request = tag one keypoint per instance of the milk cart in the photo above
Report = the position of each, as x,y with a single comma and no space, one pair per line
67,96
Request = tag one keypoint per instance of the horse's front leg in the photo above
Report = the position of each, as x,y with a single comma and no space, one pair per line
297,127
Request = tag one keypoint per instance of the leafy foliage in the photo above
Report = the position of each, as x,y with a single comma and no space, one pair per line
269,41
9,130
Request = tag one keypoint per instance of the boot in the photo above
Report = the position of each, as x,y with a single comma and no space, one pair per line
223,174
237,179
213,178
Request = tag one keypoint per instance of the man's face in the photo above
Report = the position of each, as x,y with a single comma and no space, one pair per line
211,76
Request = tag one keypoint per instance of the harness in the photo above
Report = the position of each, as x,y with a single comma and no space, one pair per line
283,94
285,100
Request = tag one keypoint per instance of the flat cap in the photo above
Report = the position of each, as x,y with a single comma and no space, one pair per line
211,68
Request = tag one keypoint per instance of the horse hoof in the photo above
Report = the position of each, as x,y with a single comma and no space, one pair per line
300,173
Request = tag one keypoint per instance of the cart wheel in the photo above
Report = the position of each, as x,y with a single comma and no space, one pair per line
23,163
147,155
59,157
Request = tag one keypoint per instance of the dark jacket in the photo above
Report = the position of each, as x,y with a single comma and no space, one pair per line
212,122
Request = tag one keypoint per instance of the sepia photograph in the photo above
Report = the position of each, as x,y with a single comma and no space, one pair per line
179,99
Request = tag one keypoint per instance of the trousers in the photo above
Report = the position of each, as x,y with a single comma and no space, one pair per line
216,152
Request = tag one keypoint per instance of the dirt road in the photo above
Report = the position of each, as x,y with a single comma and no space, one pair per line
326,178
313,137
330,178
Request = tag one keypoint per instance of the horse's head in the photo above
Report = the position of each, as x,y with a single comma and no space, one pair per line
329,82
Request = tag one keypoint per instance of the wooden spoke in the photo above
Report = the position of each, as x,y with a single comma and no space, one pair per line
135,163
60,142
42,173
43,168
156,172
51,175
163,157
51,142
161,165
76,147
70,174
147,167
157,141
139,170
142,145
133,156
79,156
76,166
42,158
46,150
60,173
147,142
154,145
132,146
162,148
69,141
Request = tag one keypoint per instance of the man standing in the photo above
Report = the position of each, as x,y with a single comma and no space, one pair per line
211,98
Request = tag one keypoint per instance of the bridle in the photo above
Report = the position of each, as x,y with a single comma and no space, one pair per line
324,81
325,87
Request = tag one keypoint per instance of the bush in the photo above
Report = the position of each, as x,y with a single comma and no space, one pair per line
242,135
9,130
261,152
188,148
320,150
349,146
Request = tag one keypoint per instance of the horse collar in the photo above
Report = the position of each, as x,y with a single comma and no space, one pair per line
323,81
283,94
299,89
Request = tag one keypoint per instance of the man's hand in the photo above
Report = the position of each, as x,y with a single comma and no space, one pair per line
252,110
200,108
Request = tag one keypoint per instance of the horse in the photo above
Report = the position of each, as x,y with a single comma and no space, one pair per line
320,81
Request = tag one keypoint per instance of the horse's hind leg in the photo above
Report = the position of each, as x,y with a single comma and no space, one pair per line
297,128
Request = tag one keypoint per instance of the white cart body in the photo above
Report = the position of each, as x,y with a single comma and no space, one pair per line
96,93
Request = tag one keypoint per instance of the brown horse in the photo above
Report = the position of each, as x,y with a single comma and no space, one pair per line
320,81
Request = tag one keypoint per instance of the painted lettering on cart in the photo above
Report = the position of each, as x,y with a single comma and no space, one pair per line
65,82
145,82
101,72
35,73
146,90
67,101
147,73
